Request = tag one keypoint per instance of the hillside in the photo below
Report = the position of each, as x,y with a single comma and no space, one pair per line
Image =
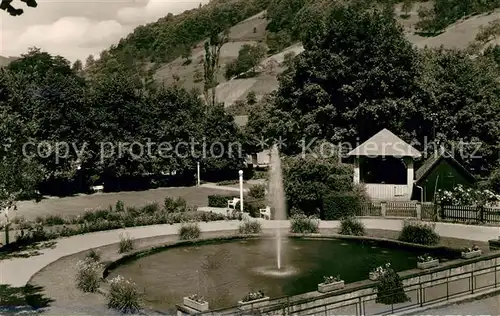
4,61
253,30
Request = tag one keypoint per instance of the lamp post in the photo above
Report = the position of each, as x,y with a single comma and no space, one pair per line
198,173
241,190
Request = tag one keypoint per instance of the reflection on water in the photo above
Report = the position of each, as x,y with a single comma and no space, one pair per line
224,272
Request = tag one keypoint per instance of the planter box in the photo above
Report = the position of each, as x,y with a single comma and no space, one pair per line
373,276
254,304
471,254
202,307
428,264
323,288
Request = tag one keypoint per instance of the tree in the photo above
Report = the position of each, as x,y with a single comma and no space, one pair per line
249,56
390,288
366,79
7,6
288,59
89,62
77,66
271,66
251,98
309,179
407,6
211,64
186,54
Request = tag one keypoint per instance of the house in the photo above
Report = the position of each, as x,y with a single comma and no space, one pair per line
385,165
440,171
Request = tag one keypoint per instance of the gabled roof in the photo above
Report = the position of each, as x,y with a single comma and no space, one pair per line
435,159
385,143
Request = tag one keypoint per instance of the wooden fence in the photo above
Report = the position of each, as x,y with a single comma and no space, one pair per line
431,212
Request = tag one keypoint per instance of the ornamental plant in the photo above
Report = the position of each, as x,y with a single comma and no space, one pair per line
252,296
123,296
390,288
467,196
197,298
471,249
331,279
381,270
88,275
425,258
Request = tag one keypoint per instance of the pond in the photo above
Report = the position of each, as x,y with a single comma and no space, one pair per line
225,271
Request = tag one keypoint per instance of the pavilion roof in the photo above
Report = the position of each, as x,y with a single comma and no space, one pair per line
385,144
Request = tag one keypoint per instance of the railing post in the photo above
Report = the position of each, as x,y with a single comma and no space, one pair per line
361,307
419,211
421,294
472,281
383,208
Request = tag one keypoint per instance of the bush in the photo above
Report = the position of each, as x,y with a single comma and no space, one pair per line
120,206
351,226
150,208
88,275
301,224
250,227
390,288
337,206
252,206
53,220
419,233
219,200
123,296
126,244
258,191
189,231
94,255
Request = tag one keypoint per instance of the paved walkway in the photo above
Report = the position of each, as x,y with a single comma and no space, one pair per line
18,271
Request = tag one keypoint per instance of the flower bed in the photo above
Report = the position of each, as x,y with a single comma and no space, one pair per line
196,302
331,284
427,262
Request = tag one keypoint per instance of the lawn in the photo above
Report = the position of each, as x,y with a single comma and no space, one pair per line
76,205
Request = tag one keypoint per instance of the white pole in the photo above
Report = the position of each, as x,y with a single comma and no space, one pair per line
198,172
241,190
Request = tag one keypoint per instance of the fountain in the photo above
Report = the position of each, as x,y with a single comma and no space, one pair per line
277,198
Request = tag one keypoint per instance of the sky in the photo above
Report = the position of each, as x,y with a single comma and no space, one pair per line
77,28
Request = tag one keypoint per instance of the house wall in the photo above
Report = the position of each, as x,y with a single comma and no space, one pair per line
449,177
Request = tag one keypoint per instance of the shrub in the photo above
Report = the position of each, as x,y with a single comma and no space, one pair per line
124,296
53,220
88,275
250,227
150,208
419,233
94,255
390,288
301,224
252,206
351,226
126,244
337,206
219,200
189,231
258,191
120,206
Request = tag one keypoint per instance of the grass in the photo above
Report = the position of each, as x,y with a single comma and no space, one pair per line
126,244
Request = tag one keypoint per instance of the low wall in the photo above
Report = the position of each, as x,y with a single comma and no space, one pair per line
451,279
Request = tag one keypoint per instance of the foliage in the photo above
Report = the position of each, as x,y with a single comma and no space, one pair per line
124,296
309,180
94,254
126,244
337,206
88,275
249,57
301,224
253,296
211,64
446,12
7,6
390,288
381,270
419,233
196,298
494,181
425,258
471,249
331,279
175,206
252,206
351,226
257,191
189,231
219,200
250,227
467,196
